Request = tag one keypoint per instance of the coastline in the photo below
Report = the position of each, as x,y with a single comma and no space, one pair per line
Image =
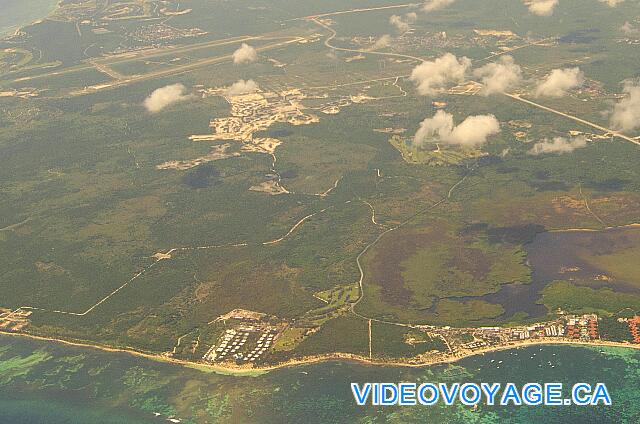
241,371
9,30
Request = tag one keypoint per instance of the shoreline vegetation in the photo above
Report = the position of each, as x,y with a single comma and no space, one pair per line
246,371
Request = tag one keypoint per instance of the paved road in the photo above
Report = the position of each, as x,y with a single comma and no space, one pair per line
574,118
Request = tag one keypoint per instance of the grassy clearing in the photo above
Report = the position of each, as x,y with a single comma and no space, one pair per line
564,295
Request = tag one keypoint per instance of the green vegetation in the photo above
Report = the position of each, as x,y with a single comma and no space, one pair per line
84,206
422,273
290,339
392,341
473,312
14,58
340,295
612,329
572,298
432,154
345,335
621,264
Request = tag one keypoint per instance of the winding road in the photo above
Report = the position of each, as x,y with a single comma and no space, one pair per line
381,236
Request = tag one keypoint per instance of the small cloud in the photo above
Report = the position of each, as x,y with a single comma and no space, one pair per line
542,7
611,3
242,87
399,23
245,54
626,113
474,131
558,145
165,96
382,42
432,76
432,5
500,76
402,24
559,81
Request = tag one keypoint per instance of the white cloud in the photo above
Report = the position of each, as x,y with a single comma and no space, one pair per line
559,81
242,87
399,23
432,76
626,113
402,24
165,96
500,76
382,42
629,29
542,7
245,54
472,132
611,3
558,145
440,123
431,5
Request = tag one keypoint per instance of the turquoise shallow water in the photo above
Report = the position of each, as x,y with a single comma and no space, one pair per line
17,13
50,383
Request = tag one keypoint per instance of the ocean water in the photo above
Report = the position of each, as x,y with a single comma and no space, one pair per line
46,411
17,13
43,382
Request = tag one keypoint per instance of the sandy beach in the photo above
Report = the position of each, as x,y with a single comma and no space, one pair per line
255,371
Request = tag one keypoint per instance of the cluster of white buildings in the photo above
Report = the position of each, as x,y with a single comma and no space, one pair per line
254,112
264,342
232,341
241,344
554,331
582,327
